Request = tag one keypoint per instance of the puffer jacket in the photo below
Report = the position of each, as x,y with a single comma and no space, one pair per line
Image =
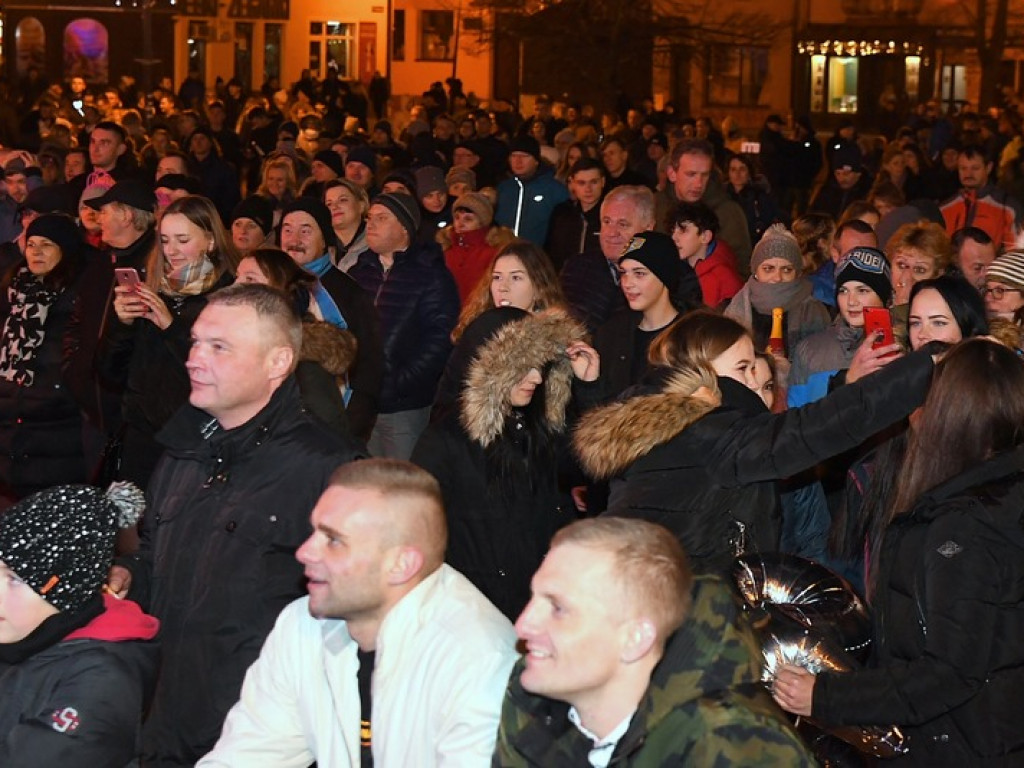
707,472
818,358
573,231
418,304
226,512
947,662
525,205
498,532
591,292
705,705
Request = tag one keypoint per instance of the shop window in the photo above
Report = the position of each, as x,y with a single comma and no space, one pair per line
842,84
331,44
735,75
86,51
954,86
398,36
437,34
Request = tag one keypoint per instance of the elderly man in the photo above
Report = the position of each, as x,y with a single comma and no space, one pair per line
307,236
631,661
227,508
127,222
418,303
382,606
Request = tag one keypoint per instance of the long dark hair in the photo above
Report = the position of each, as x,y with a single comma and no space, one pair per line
974,410
965,303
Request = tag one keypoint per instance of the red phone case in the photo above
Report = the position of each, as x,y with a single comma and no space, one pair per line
877,319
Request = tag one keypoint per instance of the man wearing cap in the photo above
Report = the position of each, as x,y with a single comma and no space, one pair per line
127,222
220,181
848,182
849,235
361,167
693,178
527,200
460,181
435,207
252,224
308,237
418,304
75,665
575,225
981,204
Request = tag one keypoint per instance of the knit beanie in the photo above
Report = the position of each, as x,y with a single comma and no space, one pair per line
363,154
459,175
1007,269
477,204
321,215
777,242
59,228
406,210
60,541
429,179
259,209
868,266
403,176
526,144
658,253
331,159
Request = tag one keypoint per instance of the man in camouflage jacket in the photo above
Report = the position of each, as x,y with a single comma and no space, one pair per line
703,704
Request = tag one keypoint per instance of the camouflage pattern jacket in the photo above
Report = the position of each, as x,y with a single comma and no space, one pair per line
704,707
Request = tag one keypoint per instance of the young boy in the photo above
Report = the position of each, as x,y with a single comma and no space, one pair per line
694,227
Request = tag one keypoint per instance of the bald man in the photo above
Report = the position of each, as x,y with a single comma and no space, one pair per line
393,655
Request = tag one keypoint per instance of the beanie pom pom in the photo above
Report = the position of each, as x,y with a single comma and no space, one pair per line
129,501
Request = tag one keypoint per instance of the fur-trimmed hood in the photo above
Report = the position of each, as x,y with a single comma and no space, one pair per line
333,348
502,362
609,439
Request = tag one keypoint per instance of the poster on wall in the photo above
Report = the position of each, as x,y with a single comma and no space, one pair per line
367,50
86,51
30,46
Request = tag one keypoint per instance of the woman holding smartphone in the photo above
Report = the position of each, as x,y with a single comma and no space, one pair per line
145,351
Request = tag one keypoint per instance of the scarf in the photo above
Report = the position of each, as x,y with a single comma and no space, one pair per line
324,307
766,296
193,278
25,326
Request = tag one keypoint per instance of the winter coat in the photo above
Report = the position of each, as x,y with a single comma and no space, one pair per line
468,254
326,355
718,275
443,658
990,209
149,364
502,514
573,231
707,472
833,199
760,209
418,304
226,511
947,659
804,317
79,703
591,292
41,424
525,205
818,358
705,705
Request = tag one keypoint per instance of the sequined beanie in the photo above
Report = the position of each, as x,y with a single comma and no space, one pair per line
61,541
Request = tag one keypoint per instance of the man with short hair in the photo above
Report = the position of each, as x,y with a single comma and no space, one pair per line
981,204
615,157
418,304
127,223
108,143
227,508
383,604
848,181
527,200
974,250
575,225
631,661
307,236
694,230
590,281
693,178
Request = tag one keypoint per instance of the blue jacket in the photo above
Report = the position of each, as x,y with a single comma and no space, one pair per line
525,205
418,304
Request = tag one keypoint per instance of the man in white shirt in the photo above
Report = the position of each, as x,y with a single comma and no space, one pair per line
393,655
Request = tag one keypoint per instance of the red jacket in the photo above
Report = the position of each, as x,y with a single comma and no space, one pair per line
990,209
469,254
718,275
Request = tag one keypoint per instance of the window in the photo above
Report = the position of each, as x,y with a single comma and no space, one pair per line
331,44
736,75
437,33
842,83
272,35
398,36
243,53
30,46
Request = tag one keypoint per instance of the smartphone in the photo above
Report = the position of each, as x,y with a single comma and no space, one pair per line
127,277
877,319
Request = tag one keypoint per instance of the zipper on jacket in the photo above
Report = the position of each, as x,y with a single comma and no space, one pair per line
519,205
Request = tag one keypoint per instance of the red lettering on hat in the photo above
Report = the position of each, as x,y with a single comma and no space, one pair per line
65,720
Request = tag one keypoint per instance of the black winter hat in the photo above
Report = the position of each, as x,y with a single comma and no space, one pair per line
134,193
406,210
259,209
526,144
332,160
59,228
658,253
868,266
321,215
61,541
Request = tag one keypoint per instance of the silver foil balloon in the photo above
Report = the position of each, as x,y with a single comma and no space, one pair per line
809,617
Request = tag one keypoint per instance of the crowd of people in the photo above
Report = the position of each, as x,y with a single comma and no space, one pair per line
450,431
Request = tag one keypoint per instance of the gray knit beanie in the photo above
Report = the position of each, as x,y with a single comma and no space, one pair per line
777,243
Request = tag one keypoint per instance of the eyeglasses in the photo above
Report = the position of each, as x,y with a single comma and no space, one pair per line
999,291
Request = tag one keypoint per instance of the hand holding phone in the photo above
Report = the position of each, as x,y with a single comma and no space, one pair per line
127,277
878,326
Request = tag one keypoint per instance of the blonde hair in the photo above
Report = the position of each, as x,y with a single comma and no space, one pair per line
926,237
